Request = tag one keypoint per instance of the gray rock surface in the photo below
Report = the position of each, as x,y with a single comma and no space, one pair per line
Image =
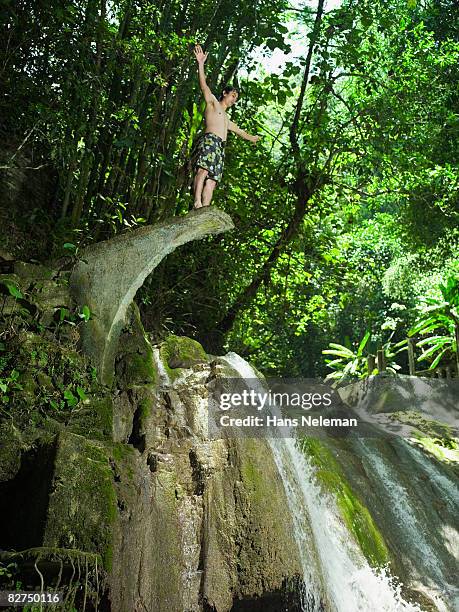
109,274
377,396
203,523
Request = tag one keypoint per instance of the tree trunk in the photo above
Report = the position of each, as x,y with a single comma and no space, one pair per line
303,193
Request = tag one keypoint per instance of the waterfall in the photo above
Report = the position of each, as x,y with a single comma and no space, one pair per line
406,524
163,375
404,515
444,485
336,575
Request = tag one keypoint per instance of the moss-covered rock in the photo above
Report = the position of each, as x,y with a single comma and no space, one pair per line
48,296
94,419
355,514
134,363
14,280
434,437
53,380
10,451
33,272
83,504
249,544
179,352
431,427
35,291
168,556
445,449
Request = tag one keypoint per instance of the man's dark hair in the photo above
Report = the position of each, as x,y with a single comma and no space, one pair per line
226,90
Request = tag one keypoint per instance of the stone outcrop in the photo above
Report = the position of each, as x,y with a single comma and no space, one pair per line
220,499
375,395
139,510
109,274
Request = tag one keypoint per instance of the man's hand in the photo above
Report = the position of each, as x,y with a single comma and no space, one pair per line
255,139
200,55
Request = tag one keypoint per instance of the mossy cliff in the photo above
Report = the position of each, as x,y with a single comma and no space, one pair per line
205,515
116,495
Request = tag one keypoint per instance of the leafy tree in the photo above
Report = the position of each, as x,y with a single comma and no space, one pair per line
345,214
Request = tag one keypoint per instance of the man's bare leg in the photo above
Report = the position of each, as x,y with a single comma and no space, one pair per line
198,186
208,191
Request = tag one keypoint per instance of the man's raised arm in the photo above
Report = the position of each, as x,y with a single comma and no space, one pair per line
242,133
201,58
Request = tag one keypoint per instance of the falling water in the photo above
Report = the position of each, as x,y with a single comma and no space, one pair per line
350,583
404,515
163,375
444,485
405,519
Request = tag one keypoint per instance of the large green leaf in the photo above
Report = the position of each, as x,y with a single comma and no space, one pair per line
363,343
437,359
438,345
12,288
344,353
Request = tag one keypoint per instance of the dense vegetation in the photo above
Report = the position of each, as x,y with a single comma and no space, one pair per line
346,212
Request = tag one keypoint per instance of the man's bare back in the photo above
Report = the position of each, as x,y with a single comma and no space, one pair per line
211,148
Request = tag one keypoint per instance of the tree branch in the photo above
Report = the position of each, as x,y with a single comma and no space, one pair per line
307,68
371,195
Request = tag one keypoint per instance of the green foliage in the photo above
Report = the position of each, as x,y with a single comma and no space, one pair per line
39,378
108,96
7,570
8,384
13,289
439,321
345,218
354,363
348,364
85,313
40,372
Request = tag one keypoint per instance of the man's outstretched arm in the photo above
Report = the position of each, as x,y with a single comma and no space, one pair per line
242,133
201,58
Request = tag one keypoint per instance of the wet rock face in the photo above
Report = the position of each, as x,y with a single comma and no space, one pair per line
199,526
284,599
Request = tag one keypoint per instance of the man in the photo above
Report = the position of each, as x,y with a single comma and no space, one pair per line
211,152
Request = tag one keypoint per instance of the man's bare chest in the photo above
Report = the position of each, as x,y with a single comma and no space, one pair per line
217,115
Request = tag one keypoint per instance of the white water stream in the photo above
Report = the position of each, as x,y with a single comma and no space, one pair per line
163,375
403,513
336,575
406,521
444,485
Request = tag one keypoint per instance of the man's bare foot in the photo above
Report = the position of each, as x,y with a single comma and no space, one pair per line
197,205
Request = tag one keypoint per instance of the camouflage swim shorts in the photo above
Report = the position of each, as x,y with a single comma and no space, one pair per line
211,155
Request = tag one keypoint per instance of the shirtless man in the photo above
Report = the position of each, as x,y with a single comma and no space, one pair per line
211,151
